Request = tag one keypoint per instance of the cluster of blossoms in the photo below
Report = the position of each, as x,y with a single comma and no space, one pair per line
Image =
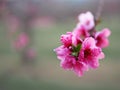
22,41
81,49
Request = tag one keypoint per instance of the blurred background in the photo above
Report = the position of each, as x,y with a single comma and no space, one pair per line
31,29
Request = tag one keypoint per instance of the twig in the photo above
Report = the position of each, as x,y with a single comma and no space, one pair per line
99,10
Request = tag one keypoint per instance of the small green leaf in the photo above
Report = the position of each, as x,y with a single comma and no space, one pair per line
75,50
78,47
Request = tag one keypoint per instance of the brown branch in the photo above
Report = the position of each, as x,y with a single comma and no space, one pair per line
99,10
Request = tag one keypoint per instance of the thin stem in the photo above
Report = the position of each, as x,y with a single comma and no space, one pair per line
99,10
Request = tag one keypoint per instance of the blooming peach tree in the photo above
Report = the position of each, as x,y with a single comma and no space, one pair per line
81,49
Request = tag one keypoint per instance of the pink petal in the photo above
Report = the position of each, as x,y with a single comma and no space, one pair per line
66,39
67,63
87,20
76,36
88,43
102,42
87,15
105,43
61,52
102,55
102,38
94,63
96,52
79,68
106,32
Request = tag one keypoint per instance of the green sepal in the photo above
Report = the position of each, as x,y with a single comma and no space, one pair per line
76,50
78,47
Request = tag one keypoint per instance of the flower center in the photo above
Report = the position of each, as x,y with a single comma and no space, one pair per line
87,53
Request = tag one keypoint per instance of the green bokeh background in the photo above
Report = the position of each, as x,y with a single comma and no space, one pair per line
46,74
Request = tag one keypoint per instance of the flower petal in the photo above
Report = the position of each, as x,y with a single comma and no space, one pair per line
102,55
79,68
94,63
87,20
66,39
62,52
106,32
88,43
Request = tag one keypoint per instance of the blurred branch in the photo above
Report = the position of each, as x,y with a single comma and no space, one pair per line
99,10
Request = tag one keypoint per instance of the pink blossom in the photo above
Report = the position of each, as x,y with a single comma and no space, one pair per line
21,41
102,38
67,39
90,53
82,30
79,34
87,20
81,49
80,67
70,62
62,52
